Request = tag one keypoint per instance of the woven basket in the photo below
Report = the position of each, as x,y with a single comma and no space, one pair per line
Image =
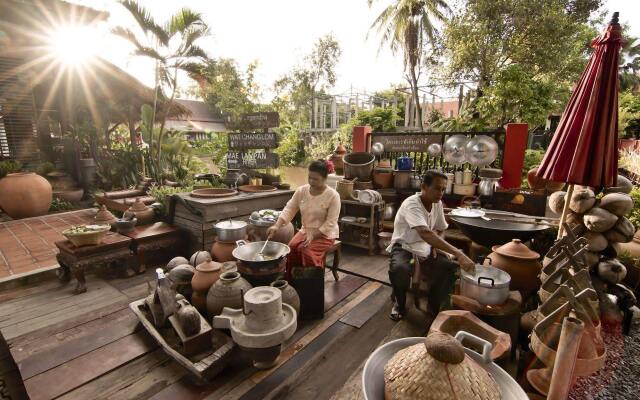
412,374
86,238
344,189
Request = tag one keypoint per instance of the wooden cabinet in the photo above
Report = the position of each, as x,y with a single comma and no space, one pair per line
361,234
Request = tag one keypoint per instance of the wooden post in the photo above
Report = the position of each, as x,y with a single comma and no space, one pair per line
407,107
565,362
565,211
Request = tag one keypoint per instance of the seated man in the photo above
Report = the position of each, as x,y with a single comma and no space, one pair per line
420,223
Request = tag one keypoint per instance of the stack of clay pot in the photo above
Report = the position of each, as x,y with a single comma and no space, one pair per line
261,326
605,223
64,187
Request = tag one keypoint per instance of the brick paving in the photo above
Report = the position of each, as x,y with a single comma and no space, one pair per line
29,244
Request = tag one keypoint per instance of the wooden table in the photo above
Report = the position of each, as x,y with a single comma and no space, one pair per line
157,237
115,248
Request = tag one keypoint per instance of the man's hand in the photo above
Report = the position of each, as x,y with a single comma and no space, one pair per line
466,263
272,231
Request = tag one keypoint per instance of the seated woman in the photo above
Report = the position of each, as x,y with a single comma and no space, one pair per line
319,207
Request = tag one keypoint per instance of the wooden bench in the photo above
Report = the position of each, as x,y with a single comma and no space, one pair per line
115,248
153,238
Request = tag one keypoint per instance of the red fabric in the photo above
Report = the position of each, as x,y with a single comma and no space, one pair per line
583,150
310,256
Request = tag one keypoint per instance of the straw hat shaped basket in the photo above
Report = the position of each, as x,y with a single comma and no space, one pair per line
437,369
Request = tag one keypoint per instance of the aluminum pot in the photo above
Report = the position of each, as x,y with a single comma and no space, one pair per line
273,253
230,230
488,286
389,212
487,186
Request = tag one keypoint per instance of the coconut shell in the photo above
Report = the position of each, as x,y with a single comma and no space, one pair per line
444,347
612,271
199,257
599,220
175,261
619,204
622,231
556,201
189,319
573,219
596,242
582,201
623,185
181,274
592,258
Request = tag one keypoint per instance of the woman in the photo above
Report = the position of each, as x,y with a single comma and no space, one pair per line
319,207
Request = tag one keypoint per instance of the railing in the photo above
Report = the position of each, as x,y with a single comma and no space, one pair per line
424,161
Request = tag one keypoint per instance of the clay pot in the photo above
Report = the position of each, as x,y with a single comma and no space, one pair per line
226,292
520,263
206,275
537,183
142,213
25,194
221,251
383,179
289,294
105,217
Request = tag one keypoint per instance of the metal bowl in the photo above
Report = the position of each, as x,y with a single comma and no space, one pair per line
247,252
373,373
481,150
454,149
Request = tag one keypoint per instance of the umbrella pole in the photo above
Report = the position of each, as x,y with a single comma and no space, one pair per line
565,211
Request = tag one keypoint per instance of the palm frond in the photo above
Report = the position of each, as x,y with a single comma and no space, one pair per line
192,34
127,34
195,52
149,52
183,20
145,20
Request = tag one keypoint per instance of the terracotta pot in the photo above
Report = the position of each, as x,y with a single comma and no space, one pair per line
221,251
520,263
142,213
537,183
289,294
226,292
206,275
383,179
25,194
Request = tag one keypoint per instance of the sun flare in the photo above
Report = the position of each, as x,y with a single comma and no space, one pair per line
74,45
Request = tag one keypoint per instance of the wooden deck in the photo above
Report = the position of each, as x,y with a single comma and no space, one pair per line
91,346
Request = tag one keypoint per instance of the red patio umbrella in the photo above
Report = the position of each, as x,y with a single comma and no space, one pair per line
583,150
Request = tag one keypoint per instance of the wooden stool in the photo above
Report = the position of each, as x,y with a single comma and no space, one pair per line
154,237
114,248
336,250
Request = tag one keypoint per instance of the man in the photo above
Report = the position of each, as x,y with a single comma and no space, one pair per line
420,224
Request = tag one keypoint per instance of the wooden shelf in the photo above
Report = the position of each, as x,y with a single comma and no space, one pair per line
367,225
357,203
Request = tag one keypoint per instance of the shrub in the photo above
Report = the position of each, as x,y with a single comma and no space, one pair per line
9,167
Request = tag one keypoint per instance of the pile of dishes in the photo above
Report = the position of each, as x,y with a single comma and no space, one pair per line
367,196
265,217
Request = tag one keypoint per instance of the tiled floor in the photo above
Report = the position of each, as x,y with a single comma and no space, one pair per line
28,244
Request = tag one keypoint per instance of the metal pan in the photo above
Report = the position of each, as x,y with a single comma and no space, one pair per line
495,232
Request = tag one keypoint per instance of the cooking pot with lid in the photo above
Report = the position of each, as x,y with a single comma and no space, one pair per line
488,285
230,230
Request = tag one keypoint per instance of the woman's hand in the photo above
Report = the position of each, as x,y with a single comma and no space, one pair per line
310,234
272,231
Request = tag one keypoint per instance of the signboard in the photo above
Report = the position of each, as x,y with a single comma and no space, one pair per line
406,143
243,160
260,120
242,141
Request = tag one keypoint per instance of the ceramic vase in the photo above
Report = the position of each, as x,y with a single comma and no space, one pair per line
25,194
226,292
289,294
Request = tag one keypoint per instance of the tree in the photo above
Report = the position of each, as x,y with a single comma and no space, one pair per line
295,91
542,45
630,64
172,46
407,25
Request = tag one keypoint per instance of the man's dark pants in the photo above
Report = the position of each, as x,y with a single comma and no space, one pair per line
441,273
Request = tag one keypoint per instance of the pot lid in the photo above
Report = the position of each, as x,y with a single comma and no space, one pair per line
516,249
209,266
439,360
138,205
231,224
104,215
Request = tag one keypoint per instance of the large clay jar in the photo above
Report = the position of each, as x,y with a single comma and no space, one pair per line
289,294
205,276
226,292
520,263
221,251
25,194
537,183
141,212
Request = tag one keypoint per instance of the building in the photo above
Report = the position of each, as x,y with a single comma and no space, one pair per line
448,109
200,120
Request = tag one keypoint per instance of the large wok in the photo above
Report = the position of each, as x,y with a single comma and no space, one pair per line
494,232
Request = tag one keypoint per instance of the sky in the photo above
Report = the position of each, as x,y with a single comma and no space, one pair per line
278,33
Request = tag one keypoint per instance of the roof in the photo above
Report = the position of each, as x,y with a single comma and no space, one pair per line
200,112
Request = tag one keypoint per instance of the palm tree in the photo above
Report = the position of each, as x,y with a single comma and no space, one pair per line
407,25
172,46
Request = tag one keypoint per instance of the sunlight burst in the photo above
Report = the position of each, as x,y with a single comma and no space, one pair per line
74,45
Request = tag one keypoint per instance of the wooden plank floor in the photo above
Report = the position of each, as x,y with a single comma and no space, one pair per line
90,345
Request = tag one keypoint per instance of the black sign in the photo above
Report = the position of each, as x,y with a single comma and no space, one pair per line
242,141
405,143
260,120
261,160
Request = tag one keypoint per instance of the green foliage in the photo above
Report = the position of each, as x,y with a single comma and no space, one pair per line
634,216
9,167
58,205
379,119
629,115
291,149
117,167
531,159
160,193
45,168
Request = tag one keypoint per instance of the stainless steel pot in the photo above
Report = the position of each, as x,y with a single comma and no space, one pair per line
487,186
373,372
389,212
273,253
230,230
488,286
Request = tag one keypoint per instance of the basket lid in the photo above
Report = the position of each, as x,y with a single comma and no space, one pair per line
138,205
440,361
516,249
104,215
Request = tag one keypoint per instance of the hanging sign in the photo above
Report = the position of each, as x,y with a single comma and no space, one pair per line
242,141
260,120
405,143
257,160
